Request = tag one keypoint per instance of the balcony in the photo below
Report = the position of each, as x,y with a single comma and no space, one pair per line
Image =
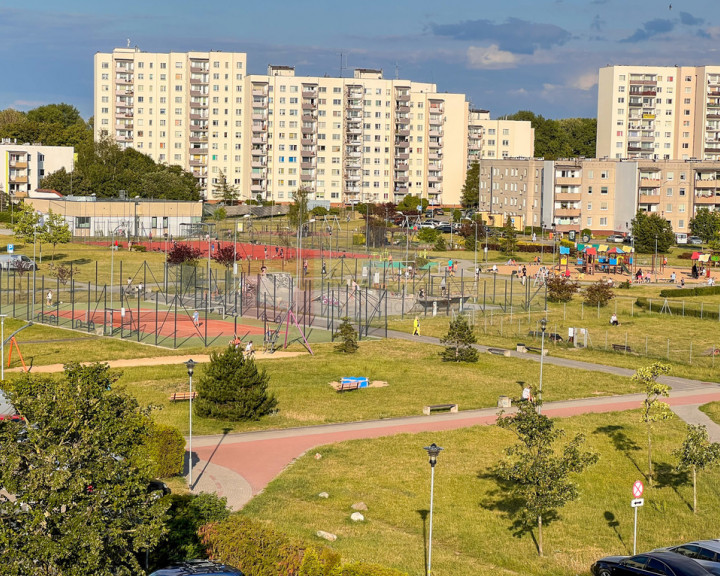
309,117
707,198
260,92
307,165
649,199
436,179
307,130
259,127
307,177
257,188
567,181
309,92
18,179
401,167
352,189
199,91
435,155
402,109
259,151
402,120
402,97
402,132
434,144
567,212
401,179
198,161
309,105
259,139
352,176
706,183
436,133
20,164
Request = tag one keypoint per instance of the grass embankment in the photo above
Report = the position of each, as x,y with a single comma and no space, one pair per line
415,374
473,532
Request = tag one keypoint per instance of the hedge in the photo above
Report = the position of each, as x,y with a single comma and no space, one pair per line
259,550
167,451
689,292
678,310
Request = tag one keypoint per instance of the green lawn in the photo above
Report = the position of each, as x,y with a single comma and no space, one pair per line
472,532
415,374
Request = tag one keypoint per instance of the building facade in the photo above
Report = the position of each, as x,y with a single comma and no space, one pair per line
346,140
659,112
22,166
602,195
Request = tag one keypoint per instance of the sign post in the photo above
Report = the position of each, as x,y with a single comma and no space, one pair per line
637,491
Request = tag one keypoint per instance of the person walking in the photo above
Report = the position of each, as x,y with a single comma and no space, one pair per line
416,326
196,319
49,298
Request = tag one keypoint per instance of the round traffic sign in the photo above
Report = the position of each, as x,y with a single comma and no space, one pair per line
637,489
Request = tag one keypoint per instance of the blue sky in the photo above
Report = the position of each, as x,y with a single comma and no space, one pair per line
539,55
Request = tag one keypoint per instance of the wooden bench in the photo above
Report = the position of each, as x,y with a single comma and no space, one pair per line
178,396
437,407
622,348
499,351
348,385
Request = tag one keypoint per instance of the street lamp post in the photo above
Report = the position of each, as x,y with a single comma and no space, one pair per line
656,259
433,450
190,369
475,270
2,346
543,326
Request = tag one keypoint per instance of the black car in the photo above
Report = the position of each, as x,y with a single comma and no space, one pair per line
198,568
667,563
706,550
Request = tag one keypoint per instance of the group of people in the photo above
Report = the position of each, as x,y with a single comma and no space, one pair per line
249,351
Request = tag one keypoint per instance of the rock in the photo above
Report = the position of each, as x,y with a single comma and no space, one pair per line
326,535
357,517
359,506
324,495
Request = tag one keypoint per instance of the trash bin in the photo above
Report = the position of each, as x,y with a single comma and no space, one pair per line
503,402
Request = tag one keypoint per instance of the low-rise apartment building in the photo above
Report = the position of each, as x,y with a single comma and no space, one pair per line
22,166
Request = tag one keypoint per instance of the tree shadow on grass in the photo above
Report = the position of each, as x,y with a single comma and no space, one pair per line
666,476
504,500
613,523
622,443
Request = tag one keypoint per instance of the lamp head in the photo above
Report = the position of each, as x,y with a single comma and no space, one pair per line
190,366
543,324
433,450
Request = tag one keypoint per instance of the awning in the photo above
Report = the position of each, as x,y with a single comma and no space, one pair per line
704,258
603,248
589,250
695,255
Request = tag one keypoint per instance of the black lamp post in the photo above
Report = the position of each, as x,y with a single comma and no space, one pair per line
433,450
543,326
190,369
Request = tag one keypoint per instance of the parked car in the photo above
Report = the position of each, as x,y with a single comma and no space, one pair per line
616,238
198,568
667,563
628,240
699,550
695,240
14,261
428,224
447,227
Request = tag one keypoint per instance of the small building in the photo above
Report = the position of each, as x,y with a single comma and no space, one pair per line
22,166
89,216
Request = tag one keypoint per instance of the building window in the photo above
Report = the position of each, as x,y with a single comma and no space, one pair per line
82,222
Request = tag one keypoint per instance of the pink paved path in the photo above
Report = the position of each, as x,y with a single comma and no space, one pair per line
260,456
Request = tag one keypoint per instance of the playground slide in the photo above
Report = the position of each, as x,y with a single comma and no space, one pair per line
625,269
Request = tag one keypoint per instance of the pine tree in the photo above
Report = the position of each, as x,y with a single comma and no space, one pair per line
232,388
471,188
460,338
348,337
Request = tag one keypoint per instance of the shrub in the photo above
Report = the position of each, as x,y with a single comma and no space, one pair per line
459,339
677,309
440,244
358,239
348,337
183,254
599,294
139,248
689,292
625,285
428,235
560,289
232,388
167,451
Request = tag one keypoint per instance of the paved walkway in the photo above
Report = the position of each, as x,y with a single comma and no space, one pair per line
239,466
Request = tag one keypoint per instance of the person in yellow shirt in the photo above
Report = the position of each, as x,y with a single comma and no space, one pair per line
416,327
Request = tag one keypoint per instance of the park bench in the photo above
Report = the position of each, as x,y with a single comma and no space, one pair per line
178,396
499,351
438,407
622,348
81,324
347,385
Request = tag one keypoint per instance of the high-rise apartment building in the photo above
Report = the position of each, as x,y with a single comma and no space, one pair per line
659,112
346,140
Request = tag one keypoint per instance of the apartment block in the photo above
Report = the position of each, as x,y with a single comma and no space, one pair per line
602,195
346,140
659,112
22,166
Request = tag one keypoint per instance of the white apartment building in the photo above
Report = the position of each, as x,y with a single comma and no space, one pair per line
498,138
22,166
659,112
602,195
346,140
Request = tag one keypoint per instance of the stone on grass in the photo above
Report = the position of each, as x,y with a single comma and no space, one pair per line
326,535
324,495
359,506
357,517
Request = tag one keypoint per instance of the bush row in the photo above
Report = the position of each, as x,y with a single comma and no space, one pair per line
688,292
258,550
678,310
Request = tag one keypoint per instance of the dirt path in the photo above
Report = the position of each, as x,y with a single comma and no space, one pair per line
158,360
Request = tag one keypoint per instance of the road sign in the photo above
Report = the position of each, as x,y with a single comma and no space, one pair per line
638,489
637,502
10,248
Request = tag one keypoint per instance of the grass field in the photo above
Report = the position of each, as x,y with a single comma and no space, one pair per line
473,525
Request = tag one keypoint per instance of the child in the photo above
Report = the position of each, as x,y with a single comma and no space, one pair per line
196,319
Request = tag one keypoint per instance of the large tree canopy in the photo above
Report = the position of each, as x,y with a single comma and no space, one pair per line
77,466
565,138
647,229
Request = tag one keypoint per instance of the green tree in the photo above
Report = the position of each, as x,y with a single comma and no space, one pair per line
298,210
538,469
470,196
599,294
428,235
225,190
653,409
348,336
561,289
27,223
78,467
411,203
219,214
11,116
696,454
63,114
565,138
232,388
705,224
647,228
459,341
55,231
509,240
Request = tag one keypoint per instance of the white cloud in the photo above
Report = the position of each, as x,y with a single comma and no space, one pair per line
585,81
490,58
